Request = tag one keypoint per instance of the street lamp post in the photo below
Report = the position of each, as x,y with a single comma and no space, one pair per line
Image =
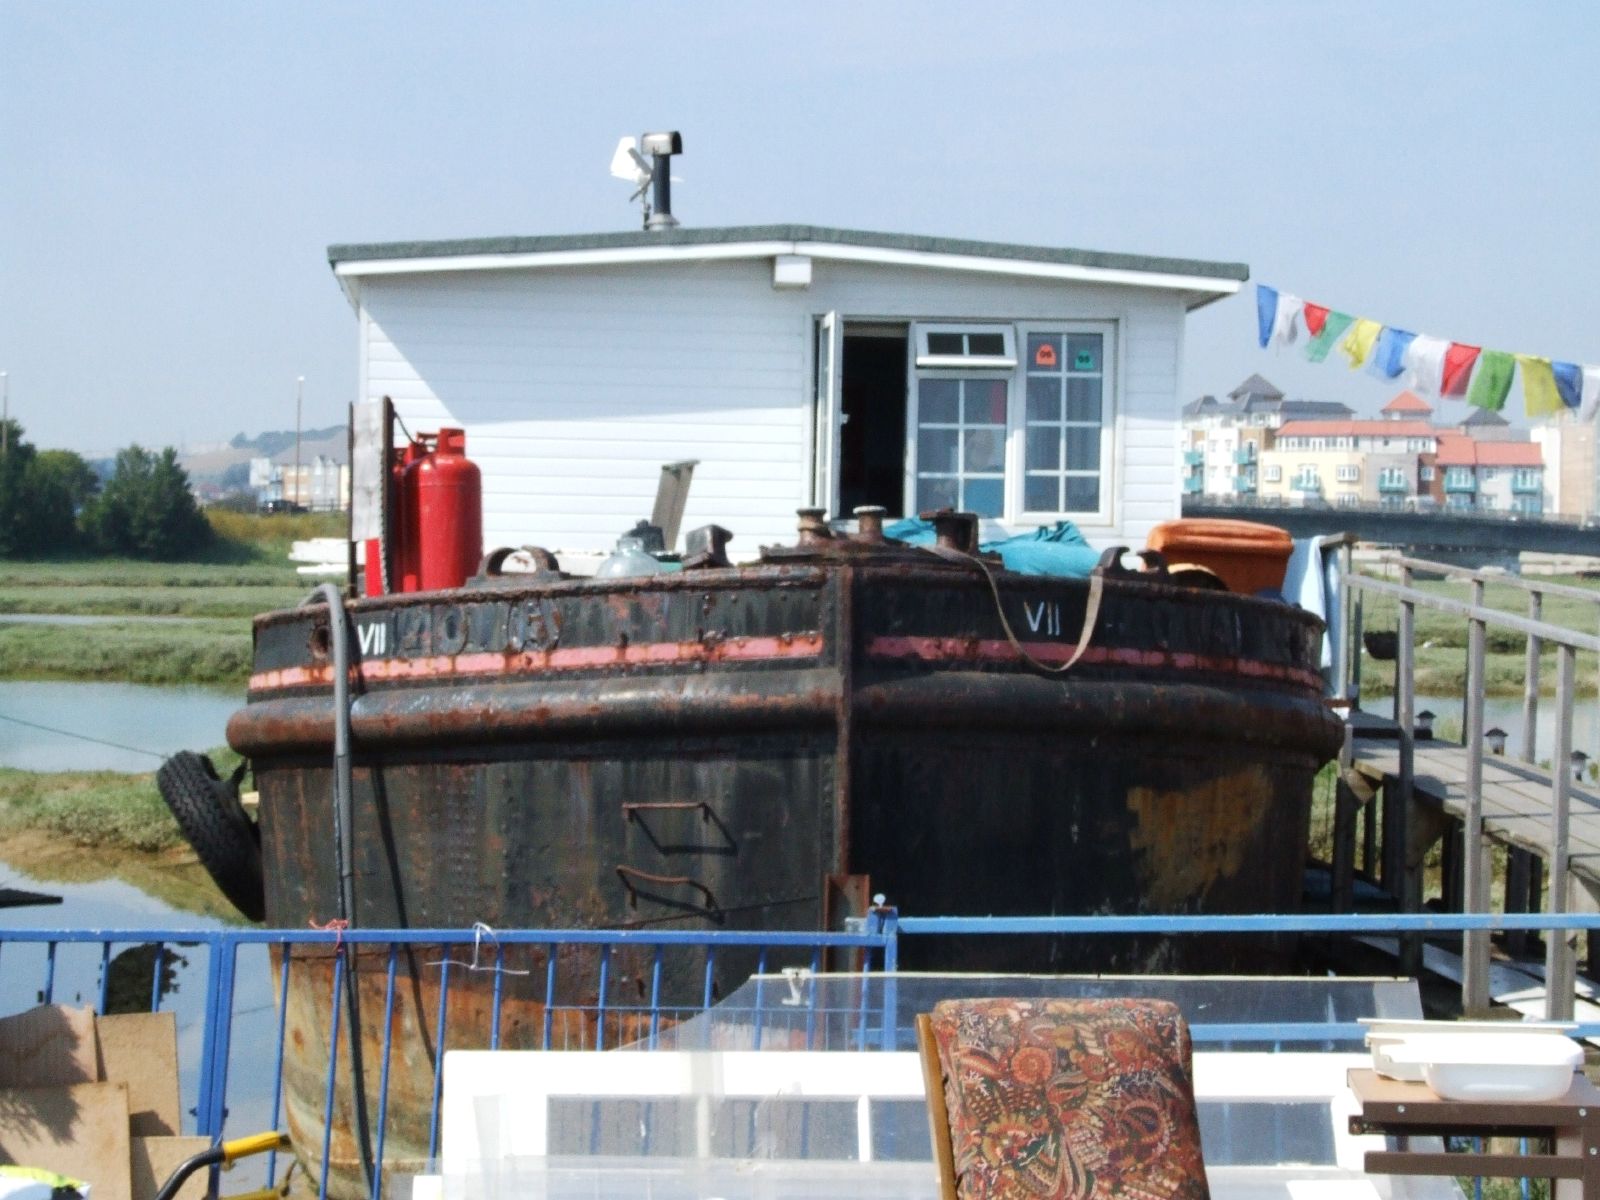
299,395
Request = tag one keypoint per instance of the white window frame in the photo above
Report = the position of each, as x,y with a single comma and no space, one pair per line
1016,377
1272,473
924,360
1347,473
1016,465
914,425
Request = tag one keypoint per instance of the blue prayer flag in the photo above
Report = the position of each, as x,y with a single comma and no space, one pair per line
1266,311
1569,382
1388,356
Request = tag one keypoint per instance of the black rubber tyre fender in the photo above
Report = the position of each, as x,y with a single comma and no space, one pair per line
224,837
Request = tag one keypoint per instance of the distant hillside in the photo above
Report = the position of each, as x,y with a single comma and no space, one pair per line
228,466
273,442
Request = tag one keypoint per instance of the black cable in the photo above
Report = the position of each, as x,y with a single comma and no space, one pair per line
83,737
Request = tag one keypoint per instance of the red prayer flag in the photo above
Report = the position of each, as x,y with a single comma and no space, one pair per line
1316,317
1458,360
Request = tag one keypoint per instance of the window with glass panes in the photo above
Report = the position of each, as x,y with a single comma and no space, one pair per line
1062,422
961,444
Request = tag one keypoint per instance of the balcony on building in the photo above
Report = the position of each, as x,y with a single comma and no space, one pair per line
1463,482
1395,484
1244,483
1245,457
1194,458
1527,485
1193,485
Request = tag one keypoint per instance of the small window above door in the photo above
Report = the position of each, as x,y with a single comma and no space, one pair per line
980,347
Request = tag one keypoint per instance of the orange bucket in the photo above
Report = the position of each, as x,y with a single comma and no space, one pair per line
1248,557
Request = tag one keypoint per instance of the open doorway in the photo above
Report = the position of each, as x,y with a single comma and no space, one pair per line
872,399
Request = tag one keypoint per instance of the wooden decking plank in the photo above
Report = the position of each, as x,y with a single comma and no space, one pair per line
1516,796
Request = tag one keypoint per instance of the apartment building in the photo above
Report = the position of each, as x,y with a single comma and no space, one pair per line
1568,448
1256,443
1491,476
1346,462
1224,439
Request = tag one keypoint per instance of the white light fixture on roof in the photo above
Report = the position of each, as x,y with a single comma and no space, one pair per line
629,164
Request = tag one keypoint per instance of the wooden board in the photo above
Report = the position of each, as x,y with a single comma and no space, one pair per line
48,1046
154,1159
141,1050
1516,798
81,1131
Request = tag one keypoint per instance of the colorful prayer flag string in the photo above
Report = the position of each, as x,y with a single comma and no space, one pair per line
1431,365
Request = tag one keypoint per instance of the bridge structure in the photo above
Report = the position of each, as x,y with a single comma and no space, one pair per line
1447,531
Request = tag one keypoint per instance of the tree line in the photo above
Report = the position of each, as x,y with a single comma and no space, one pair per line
53,502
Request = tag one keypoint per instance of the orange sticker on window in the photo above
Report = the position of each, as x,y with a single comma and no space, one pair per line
1045,355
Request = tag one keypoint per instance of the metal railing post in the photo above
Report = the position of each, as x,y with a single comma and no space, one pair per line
1348,646
1475,881
1397,807
1530,681
206,1105
1560,969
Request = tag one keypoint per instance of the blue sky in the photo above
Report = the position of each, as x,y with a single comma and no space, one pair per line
171,174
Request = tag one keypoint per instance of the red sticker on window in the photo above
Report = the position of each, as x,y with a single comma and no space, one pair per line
1045,355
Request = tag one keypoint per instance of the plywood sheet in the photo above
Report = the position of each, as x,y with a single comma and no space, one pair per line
141,1050
48,1046
81,1131
154,1159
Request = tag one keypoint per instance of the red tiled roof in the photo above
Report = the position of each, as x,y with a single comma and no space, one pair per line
1408,402
1458,450
1509,454
1356,429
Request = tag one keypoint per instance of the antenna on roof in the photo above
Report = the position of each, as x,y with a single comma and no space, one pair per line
630,165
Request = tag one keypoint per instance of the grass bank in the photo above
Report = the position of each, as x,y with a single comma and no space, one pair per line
249,573
83,826
1441,639
208,652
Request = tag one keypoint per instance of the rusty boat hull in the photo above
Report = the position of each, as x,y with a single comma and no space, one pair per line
765,747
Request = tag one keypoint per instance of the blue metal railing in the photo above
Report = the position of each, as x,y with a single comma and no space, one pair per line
878,944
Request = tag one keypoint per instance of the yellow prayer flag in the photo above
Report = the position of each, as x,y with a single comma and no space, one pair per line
1357,344
1539,395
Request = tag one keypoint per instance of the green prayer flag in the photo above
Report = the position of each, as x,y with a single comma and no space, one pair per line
1332,330
1491,382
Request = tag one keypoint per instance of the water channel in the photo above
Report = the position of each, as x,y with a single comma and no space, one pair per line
129,979
1505,712
108,726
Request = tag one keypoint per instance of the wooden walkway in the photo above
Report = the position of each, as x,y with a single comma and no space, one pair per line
1516,797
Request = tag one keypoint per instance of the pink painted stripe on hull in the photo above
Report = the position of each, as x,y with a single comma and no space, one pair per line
575,658
958,650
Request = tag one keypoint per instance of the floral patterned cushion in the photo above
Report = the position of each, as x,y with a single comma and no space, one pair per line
1070,1098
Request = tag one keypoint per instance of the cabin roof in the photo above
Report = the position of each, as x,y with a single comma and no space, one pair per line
1205,279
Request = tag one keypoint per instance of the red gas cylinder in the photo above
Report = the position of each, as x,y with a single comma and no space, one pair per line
442,497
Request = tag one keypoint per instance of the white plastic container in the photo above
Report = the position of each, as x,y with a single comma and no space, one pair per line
1491,1066
1385,1032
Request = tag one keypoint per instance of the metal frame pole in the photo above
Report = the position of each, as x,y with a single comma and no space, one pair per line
1396,808
1475,943
1560,969
1530,681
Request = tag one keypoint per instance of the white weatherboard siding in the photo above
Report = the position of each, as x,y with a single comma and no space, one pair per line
576,384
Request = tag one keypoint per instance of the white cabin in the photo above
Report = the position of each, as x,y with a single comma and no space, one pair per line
799,365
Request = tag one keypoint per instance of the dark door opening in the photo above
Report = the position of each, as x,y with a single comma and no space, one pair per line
872,444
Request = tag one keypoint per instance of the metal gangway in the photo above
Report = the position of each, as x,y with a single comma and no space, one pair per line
1402,791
